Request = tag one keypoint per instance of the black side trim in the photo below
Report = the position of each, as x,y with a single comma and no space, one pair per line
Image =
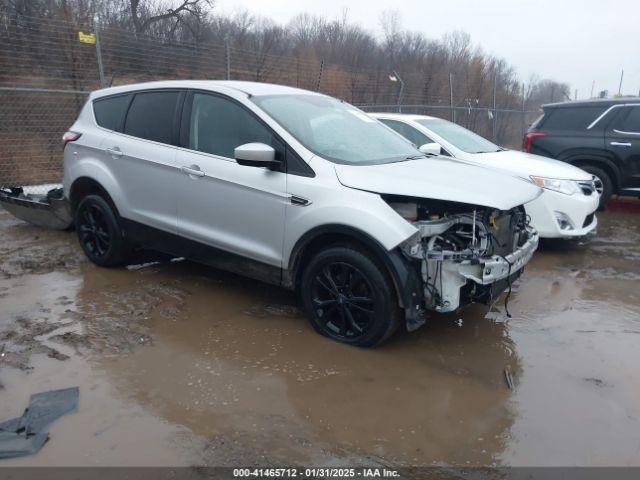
297,166
151,238
303,202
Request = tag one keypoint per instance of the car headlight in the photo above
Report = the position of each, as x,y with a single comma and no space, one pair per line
568,187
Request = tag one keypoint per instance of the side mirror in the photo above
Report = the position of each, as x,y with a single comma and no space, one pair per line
431,148
255,155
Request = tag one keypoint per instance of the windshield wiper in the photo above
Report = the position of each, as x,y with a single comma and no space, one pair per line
416,157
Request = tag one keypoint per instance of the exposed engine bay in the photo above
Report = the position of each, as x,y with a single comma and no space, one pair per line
467,253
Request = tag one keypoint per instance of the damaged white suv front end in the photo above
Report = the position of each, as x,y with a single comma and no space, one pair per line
466,256
469,234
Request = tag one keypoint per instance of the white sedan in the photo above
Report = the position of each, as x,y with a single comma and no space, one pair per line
566,208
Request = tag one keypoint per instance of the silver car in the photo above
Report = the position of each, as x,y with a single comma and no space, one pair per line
296,189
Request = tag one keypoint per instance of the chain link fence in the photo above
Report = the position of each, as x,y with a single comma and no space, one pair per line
48,68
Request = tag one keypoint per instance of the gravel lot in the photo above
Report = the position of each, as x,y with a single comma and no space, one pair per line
179,364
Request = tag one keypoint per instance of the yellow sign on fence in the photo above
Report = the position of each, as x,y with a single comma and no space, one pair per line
87,37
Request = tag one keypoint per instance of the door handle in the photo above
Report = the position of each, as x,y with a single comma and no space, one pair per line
114,152
193,170
621,144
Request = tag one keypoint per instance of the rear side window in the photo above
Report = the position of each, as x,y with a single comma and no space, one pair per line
629,121
568,118
151,116
408,132
110,111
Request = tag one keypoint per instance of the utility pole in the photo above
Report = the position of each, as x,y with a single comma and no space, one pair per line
320,75
620,86
593,85
575,97
495,111
227,57
453,113
524,114
96,22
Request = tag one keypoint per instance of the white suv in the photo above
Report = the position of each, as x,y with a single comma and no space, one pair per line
296,189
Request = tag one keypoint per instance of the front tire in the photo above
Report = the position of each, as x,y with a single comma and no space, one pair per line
99,232
605,182
349,298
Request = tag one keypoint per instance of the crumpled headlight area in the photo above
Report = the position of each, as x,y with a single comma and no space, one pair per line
456,231
568,187
455,237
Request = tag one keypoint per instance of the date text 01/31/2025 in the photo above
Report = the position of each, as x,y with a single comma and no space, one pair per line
315,472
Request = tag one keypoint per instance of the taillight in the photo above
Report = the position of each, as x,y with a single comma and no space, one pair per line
70,137
526,143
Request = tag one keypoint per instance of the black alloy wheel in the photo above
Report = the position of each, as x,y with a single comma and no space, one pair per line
343,300
94,232
99,232
349,298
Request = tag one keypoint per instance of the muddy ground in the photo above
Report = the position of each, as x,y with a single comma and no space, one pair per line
180,364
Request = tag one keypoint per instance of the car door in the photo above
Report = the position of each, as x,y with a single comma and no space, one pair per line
142,159
222,204
623,140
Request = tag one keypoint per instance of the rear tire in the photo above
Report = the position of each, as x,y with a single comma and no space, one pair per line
604,179
349,298
99,232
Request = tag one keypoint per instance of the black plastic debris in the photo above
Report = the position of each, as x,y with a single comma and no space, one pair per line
27,434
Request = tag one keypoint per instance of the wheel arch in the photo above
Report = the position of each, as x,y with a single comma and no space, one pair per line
403,273
604,163
83,186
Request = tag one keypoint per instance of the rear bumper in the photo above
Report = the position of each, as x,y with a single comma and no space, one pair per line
49,210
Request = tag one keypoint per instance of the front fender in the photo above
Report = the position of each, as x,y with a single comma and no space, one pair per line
355,209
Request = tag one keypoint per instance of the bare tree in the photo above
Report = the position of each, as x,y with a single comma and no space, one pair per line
145,14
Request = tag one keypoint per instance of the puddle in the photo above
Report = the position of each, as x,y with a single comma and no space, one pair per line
179,362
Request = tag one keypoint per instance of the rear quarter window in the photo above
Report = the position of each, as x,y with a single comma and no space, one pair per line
110,111
567,118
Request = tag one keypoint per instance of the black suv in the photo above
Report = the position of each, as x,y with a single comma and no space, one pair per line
599,136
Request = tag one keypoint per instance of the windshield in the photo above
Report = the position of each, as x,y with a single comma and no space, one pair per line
336,130
459,137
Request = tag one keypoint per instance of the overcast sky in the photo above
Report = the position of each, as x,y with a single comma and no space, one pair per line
577,42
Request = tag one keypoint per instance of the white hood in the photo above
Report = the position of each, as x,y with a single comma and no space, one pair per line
525,164
440,178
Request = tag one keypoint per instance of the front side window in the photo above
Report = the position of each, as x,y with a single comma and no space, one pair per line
219,125
459,137
151,116
110,111
410,133
336,130
629,121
